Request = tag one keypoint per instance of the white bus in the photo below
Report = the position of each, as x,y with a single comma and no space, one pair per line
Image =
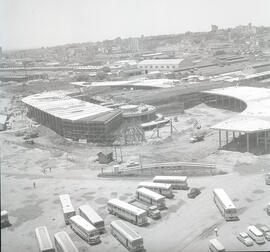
225,205
63,243
152,198
84,229
67,207
88,213
44,240
177,182
161,188
216,246
255,234
127,211
125,235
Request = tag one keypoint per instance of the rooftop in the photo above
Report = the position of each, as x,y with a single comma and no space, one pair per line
255,118
59,104
125,229
126,205
150,193
154,83
161,62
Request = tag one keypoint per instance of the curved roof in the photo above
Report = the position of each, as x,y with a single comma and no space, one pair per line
59,104
255,118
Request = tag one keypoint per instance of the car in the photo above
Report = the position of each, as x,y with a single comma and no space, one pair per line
194,192
266,231
245,239
195,139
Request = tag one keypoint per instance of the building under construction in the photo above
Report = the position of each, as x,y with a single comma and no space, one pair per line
73,118
251,127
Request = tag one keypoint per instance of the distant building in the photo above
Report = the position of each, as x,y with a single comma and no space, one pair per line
160,65
105,157
214,28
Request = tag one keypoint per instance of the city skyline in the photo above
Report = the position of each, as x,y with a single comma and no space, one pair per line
35,24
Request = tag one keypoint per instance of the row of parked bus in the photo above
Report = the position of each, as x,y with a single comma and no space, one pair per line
152,194
87,224
62,241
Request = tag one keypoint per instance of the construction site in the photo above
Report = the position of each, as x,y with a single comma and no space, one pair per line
216,134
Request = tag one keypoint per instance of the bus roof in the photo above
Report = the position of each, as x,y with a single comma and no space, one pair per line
155,185
173,178
90,213
149,193
125,230
224,197
65,242
217,244
126,206
79,220
44,239
255,230
66,203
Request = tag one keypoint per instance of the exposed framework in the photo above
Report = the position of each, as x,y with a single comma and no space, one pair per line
253,121
73,118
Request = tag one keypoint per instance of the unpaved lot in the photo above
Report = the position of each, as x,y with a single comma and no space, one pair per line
58,166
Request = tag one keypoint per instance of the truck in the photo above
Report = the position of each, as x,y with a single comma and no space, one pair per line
152,211
4,219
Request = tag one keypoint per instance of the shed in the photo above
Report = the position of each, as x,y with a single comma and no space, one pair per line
105,157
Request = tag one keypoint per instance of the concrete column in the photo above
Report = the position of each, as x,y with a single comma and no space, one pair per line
219,135
247,142
227,137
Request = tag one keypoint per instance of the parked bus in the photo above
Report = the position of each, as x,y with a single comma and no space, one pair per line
216,246
88,213
67,207
152,198
152,211
225,205
161,188
44,240
177,182
63,243
267,179
127,211
255,234
84,229
125,235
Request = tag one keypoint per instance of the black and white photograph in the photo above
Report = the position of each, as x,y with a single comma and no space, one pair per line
135,125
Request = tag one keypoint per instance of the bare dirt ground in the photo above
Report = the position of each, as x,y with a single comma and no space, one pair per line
186,225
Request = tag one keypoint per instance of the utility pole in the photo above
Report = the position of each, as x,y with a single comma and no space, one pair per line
121,153
140,158
171,126
115,153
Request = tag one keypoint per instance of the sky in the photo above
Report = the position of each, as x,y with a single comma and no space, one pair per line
41,23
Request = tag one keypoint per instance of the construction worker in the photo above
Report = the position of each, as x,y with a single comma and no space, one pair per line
34,184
